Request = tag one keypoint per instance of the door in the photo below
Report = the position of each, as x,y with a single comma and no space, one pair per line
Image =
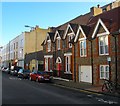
85,74
58,68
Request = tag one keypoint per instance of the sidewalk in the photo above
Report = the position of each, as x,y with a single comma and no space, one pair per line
80,86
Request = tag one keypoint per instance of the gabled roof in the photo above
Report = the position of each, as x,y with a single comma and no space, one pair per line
100,22
72,27
84,29
49,36
60,33
109,20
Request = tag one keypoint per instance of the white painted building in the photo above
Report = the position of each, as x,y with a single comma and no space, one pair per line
12,51
21,50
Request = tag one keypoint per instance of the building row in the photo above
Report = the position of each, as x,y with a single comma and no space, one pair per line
19,50
85,49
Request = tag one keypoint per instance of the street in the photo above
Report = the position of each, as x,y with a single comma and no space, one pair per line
22,91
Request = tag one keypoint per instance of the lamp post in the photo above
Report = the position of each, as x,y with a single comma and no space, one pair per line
32,28
73,43
114,34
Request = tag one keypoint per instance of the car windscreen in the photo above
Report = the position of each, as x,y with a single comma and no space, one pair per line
20,70
27,71
41,72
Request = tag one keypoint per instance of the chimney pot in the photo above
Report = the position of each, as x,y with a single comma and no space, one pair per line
98,6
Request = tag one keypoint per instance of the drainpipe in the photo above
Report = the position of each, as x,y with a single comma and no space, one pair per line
73,43
74,65
92,58
92,61
115,34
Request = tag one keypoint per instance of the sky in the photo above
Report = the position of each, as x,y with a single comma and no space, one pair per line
15,15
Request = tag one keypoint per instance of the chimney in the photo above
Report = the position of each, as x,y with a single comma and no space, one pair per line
36,27
98,6
116,4
96,10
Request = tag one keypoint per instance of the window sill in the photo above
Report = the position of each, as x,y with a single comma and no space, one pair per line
67,73
103,54
83,56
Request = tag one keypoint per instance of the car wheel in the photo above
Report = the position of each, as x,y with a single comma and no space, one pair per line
37,80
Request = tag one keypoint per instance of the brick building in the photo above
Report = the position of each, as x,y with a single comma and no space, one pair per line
94,45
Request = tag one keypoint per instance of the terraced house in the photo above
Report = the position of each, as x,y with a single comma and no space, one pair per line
95,48
58,50
83,49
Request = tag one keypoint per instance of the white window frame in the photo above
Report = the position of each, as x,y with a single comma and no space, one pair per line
46,64
49,45
104,50
104,72
68,64
70,36
58,43
84,49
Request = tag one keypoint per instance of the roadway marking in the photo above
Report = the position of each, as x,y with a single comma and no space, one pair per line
12,78
106,101
90,92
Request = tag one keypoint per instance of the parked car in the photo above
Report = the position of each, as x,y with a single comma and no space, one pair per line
24,73
15,70
4,69
40,76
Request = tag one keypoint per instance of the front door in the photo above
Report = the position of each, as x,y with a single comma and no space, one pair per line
59,68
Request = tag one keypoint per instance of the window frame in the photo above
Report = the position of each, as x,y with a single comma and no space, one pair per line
68,64
49,45
104,46
58,43
104,72
84,49
70,37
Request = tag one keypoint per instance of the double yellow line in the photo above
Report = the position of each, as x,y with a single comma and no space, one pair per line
90,92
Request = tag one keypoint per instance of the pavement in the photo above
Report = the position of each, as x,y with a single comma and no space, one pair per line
86,87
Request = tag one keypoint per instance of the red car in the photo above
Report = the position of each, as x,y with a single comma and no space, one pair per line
40,76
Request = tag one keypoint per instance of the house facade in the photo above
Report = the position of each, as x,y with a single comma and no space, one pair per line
33,49
95,50
91,58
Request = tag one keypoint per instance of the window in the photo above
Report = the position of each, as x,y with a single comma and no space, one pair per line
22,53
70,38
103,45
104,72
83,48
21,44
46,64
49,46
58,43
16,54
16,45
68,64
